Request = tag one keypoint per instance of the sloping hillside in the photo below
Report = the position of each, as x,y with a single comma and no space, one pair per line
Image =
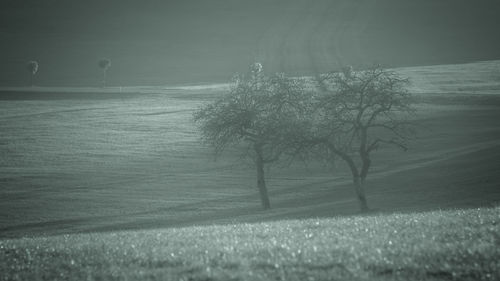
77,162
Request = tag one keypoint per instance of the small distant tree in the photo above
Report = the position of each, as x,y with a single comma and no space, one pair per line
354,114
32,67
255,113
104,64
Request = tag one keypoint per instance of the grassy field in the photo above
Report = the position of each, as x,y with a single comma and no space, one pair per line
438,245
95,185
91,161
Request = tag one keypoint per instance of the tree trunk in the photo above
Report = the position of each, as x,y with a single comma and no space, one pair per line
261,183
359,188
104,78
357,178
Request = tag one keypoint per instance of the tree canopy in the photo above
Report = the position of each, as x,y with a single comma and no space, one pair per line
347,115
355,113
256,113
32,67
104,64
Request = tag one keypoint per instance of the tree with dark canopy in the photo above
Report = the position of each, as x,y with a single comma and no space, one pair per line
32,67
104,64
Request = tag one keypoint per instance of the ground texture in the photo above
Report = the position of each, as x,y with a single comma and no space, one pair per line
438,245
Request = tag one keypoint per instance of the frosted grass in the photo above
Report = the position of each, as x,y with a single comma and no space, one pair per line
438,245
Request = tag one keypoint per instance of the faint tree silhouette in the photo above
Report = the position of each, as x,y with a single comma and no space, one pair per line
104,64
32,67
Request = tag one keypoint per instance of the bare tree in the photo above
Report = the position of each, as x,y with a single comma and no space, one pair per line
255,113
353,114
32,67
104,64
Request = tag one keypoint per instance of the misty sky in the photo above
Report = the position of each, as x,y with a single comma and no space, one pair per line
199,41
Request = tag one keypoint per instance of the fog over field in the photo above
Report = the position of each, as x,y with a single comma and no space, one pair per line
194,41
78,155
111,114
105,159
